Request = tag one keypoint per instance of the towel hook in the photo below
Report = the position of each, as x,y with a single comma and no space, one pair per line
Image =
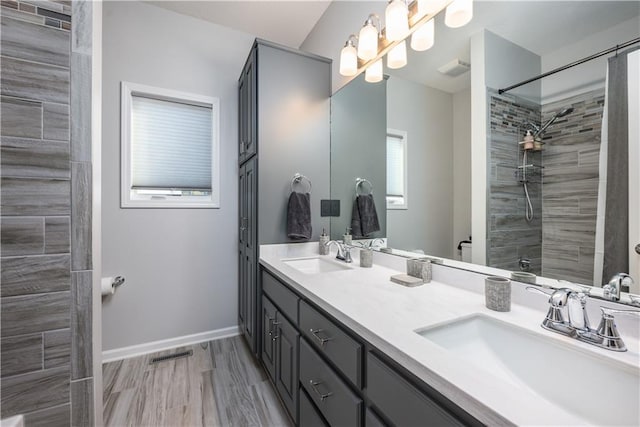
298,178
360,183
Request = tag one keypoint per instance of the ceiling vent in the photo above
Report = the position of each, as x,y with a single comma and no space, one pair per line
455,68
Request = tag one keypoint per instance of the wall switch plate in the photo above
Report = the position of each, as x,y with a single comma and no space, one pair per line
329,207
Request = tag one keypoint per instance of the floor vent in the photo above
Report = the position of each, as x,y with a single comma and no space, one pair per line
171,357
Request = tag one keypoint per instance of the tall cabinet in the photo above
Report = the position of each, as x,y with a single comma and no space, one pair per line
283,128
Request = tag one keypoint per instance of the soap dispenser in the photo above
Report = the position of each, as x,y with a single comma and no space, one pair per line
528,141
324,239
346,238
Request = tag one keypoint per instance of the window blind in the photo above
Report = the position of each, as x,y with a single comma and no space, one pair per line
170,145
395,166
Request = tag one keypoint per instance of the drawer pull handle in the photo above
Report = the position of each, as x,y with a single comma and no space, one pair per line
314,387
318,337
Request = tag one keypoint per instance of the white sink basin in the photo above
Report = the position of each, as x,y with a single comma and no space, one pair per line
315,265
595,388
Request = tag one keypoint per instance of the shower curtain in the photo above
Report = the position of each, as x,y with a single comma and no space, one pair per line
612,224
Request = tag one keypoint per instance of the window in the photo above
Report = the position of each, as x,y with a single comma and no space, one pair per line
170,149
396,169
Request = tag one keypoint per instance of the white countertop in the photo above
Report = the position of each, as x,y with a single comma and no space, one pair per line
387,314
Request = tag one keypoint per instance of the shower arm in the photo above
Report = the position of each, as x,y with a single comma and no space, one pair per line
544,127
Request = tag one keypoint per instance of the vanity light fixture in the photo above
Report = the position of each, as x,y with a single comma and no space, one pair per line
430,7
396,19
415,20
458,13
368,39
397,57
373,74
349,57
424,37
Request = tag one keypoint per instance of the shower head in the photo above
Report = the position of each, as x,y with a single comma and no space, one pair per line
560,113
564,112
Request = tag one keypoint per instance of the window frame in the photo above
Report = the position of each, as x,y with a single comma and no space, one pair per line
127,200
402,135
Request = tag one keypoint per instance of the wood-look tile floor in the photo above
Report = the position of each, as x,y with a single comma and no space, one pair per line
220,385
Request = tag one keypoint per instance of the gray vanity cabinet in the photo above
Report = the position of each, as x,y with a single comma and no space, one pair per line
334,376
248,252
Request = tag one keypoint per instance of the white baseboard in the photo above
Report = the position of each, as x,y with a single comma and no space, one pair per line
154,346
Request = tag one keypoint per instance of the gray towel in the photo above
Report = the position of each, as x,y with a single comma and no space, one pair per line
364,218
299,216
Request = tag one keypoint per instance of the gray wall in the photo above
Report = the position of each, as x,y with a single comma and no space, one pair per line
358,149
180,264
426,114
461,167
293,136
46,291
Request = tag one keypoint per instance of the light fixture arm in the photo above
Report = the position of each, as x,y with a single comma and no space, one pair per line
351,41
370,20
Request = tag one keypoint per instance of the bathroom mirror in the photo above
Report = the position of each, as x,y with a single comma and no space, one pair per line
538,207
358,154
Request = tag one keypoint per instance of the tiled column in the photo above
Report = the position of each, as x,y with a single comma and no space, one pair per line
45,293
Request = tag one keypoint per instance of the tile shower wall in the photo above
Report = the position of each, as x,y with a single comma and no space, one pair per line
510,236
570,189
46,288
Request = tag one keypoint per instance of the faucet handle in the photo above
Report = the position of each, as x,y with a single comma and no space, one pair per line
609,312
555,319
613,289
608,331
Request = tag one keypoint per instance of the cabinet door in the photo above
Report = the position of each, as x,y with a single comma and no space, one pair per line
251,99
268,353
242,258
287,364
251,254
242,118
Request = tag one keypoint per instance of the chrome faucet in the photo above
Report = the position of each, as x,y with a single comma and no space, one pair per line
577,325
614,287
555,320
344,251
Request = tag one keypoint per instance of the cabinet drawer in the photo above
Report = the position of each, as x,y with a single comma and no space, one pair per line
309,416
333,342
339,405
399,401
372,420
282,297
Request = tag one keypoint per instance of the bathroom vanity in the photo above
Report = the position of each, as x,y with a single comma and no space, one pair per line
344,345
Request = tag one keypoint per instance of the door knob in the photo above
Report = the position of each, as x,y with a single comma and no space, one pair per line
638,248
